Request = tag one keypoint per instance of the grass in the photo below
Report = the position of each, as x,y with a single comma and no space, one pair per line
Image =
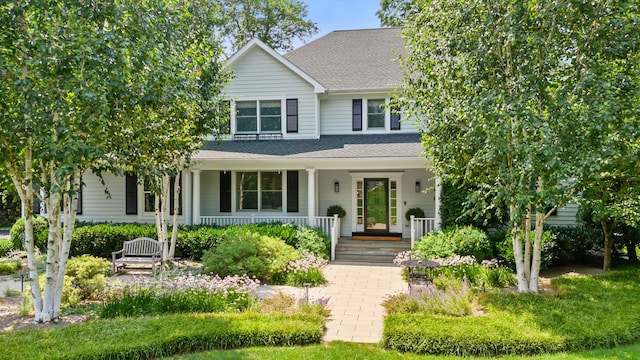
341,350
586,313
154,337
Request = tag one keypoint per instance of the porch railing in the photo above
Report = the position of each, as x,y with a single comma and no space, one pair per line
421,227
330,225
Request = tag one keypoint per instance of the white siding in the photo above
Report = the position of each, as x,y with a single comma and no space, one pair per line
565,216
100,207
336,115
411,199
257,75
327,196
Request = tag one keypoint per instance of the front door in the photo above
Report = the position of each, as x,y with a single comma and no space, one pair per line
376,205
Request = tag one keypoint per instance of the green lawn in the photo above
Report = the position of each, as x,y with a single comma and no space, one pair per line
340,350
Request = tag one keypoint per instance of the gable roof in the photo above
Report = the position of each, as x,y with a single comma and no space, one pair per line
318,88
353,59
327,147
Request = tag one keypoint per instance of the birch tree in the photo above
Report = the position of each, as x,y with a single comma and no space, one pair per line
507,94
76,94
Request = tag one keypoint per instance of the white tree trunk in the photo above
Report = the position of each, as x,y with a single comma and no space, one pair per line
176,210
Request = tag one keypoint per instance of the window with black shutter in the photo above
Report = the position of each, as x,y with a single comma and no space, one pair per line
225,191
357,115
292,191
131,194
292,115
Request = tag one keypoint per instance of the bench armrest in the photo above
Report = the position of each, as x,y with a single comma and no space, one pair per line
117,252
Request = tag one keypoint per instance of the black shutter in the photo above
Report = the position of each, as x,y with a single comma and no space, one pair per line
292,115
225,191
292,191
395,118
357,115
131,194
36,205
172,189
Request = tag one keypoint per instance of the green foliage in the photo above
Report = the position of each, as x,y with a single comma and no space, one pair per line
416,212
336,210
103,239
155,301
6,245
431,300
313,240
89,274
454,241
9,266
161,336
500,277
248,253
277,230
276,23
456,211
505,250
314,277
571,244
9,206
40,233
195,240
580,316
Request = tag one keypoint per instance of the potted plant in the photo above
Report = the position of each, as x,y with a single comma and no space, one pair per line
336,210
416,212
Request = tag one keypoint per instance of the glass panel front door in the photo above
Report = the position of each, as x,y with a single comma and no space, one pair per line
376,205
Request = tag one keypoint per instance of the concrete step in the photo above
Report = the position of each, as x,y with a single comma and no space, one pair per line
370,258
375,252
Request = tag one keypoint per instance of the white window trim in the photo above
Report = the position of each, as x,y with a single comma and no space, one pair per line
234,193
283,117
365,116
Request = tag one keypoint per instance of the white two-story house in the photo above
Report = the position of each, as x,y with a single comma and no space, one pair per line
307,130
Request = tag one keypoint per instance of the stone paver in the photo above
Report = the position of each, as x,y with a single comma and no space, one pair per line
356,294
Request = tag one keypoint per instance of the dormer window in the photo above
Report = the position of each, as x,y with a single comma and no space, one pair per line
260,116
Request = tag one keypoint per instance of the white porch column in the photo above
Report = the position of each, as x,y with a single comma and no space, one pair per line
438,222
196,196
311,194
188,194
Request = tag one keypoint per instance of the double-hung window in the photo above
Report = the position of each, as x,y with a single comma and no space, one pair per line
375,114
259,191
260,116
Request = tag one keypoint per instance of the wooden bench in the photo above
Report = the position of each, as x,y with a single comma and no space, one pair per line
140,251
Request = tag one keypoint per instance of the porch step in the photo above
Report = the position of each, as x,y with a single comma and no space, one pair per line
370,251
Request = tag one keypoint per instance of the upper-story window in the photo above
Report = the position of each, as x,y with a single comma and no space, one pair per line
375,114
260,116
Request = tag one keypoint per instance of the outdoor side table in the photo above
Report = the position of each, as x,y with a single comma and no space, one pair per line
420,272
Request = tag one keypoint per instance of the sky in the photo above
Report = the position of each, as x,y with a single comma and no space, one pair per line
330,15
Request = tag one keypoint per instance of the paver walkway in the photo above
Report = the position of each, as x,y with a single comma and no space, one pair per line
356,293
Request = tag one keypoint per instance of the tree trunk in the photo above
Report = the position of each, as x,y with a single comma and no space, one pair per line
537,252
176,210
608,244
631,252
518,254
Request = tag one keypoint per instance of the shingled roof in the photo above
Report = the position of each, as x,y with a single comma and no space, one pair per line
327,147
352,59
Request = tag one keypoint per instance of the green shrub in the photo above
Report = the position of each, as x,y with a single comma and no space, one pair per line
248,253
277,230
416,212
336,210
500,277
573,243
6,245
40,233
9,266
88,274
195,240
162,336
314,241
102,239
455,241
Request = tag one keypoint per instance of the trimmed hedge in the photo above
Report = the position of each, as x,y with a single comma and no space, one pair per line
6,245
586,313
103,239
162,336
